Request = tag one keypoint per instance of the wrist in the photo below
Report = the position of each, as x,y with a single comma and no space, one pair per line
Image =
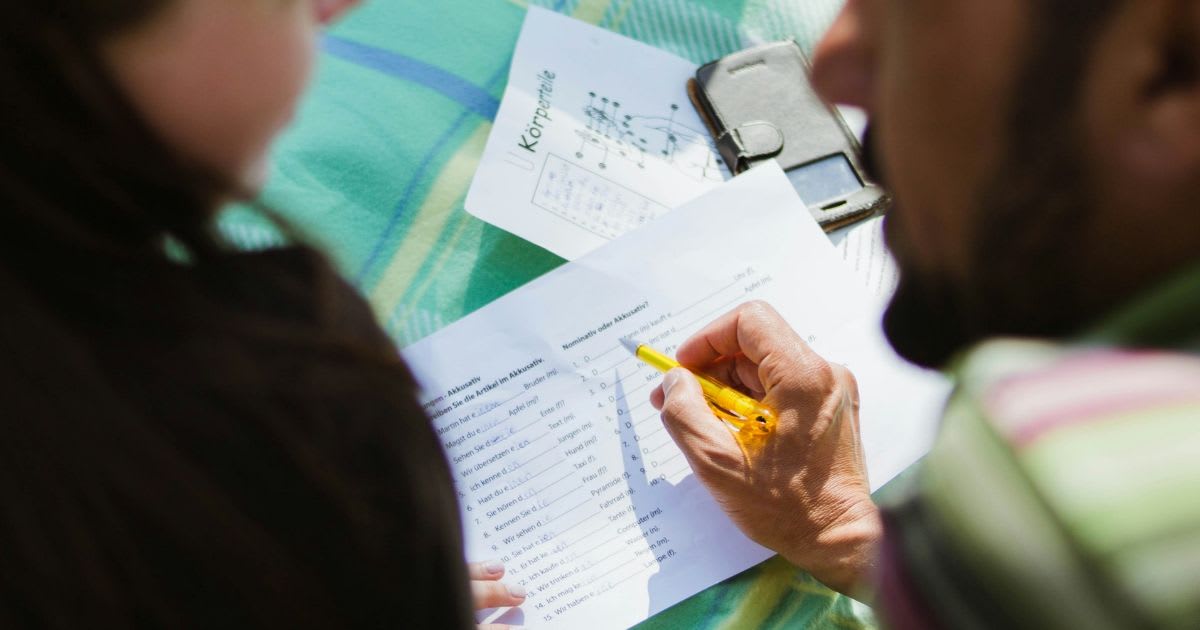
844,555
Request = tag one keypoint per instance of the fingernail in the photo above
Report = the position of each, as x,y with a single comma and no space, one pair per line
670,380
516,590
494,567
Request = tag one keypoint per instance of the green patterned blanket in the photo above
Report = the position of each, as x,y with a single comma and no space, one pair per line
379,160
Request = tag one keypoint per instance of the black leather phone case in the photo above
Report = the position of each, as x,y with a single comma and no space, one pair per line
759,105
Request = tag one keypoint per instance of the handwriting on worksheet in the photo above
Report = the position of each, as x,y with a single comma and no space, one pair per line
563,468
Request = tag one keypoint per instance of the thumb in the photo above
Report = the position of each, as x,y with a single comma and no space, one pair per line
686,414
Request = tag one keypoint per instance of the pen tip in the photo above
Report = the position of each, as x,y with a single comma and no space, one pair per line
631,345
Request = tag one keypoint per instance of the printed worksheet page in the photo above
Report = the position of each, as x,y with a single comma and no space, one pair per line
564,469
864,249
595,136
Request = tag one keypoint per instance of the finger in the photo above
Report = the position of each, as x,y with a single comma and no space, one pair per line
748,375
495,594
754,330
738,372
490,570
702,437
657,397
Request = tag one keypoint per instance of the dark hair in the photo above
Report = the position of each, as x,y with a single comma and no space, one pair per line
204,440
1023,282
1028,282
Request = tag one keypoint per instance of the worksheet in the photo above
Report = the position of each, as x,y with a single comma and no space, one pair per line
595,136
864,249
564,469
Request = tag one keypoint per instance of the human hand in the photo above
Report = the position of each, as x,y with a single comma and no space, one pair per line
488,592
804,494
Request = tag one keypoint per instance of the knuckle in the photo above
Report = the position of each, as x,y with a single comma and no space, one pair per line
823,373
840,372
846,378
756,312
705,463
674,409
755,306
715,458
774,363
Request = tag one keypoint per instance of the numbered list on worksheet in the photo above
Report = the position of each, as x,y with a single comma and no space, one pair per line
563,469
567,474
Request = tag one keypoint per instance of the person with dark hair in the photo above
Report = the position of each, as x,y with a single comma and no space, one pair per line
1045,160
194,436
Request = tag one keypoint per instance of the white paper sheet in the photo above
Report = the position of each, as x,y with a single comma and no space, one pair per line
863,248
595,136
565,471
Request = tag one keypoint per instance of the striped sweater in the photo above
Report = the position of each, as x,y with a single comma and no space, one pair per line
1064,491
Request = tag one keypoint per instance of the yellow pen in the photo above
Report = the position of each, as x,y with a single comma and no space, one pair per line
743,412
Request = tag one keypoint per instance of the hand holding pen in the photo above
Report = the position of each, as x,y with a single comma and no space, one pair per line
749,418
804,493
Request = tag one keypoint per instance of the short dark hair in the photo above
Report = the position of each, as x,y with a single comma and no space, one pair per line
1038,194
224,442
1043,190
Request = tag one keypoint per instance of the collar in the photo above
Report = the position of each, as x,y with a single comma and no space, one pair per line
1166,317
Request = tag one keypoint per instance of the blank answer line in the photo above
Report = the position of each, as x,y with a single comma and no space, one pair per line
505,438
687,468
544,435
581,522
660,446
630,576
587,535
538,421
553,483
638,423
559,497
618,364
605,558
541,454
708,315
705,299
581,504
654,431
544,471
591,549
616,568
672,458
625,396
499,406
606,352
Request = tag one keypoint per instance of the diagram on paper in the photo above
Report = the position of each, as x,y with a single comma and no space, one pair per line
582,150
590,201
611,142
612,133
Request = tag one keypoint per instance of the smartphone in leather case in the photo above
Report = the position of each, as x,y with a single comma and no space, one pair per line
758,105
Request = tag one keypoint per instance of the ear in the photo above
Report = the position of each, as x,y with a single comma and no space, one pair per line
1148,74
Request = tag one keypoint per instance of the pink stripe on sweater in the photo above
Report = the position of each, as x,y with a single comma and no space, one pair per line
1098,412
1091,387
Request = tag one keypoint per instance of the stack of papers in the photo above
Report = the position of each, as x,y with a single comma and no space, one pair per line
564,470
